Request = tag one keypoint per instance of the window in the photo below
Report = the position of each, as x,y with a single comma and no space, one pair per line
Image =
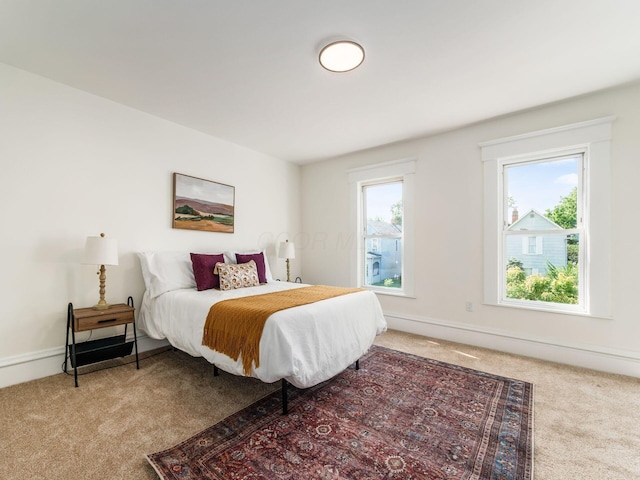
541,256
382,232
547,219
382,220
532,245
375,244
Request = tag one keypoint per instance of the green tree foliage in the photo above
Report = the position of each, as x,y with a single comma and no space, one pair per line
559,286
515,283
565,213
572,252
514,262
396,213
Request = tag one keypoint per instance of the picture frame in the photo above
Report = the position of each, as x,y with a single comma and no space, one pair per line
200,204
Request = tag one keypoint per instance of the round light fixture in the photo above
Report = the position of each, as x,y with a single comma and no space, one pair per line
341,56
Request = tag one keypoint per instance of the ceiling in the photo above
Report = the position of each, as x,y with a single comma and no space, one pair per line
246,70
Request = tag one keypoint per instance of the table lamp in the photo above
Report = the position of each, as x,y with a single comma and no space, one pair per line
101,251
288,251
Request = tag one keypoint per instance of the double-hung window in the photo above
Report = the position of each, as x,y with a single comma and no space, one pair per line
382,233
547,219
382,221
543,236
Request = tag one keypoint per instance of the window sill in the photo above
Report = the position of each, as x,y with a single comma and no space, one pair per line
542,309
390,292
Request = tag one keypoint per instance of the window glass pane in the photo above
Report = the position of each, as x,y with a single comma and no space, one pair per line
383,262
383,235
383,208
542,195
549,276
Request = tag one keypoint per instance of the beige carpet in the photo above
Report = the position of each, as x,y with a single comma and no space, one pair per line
587,424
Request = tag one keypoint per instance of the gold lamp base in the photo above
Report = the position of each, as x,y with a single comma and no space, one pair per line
102,303
101,306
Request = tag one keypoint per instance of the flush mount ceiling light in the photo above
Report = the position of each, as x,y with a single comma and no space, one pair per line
341,56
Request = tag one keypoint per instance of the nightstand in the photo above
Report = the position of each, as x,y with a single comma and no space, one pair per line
92,351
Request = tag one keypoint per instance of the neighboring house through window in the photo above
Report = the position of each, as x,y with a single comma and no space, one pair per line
383,234
382,219
534,251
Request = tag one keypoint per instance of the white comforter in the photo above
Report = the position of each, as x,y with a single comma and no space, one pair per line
305,345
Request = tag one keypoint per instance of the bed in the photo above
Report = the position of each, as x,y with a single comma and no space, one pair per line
304,345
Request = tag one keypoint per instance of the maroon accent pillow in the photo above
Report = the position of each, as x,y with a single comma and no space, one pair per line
203,265
259,259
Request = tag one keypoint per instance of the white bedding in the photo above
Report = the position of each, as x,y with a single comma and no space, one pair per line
305,345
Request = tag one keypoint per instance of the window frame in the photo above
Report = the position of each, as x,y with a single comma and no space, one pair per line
594,138
387,172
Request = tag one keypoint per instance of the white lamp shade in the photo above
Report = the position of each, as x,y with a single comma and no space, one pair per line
287,250
100,251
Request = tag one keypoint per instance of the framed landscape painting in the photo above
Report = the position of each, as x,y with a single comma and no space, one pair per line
200,204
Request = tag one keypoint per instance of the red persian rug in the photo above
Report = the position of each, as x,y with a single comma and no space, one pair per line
399,417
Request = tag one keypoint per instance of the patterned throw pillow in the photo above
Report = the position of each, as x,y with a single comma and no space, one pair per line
237,276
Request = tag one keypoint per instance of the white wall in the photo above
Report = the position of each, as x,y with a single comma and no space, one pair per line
449,250
74,165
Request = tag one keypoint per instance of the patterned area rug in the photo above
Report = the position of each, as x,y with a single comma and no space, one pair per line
400,416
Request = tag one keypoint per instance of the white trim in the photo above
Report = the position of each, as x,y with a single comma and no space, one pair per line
30,366
43,363
595,130
539,247
595,357
394,168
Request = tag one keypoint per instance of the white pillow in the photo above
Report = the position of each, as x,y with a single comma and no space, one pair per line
166,271
230,257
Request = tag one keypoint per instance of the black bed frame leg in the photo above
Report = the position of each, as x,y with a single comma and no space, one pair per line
215,371
285,386
285,407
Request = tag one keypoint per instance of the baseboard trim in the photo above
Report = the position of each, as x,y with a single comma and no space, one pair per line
33,365
619,361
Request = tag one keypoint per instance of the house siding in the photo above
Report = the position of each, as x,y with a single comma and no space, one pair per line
386,252
554,250
548,247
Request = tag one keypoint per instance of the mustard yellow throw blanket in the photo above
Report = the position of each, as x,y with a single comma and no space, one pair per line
234,326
